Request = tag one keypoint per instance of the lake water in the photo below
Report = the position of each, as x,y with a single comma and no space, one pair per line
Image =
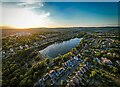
62,48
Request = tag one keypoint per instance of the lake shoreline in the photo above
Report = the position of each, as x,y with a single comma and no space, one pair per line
57,48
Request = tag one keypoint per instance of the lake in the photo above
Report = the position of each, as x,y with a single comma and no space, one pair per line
62,48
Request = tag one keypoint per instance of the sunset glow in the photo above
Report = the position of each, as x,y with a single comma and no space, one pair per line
57,14
23,18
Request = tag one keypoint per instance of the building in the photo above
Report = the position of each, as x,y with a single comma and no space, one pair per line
106,61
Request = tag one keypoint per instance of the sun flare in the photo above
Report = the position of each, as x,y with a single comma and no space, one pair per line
24,18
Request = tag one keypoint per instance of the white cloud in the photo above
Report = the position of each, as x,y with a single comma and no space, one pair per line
30,4
24,16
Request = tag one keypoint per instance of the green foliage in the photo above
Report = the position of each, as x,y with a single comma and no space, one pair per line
47,60
19,67
62,83
86,59
93,73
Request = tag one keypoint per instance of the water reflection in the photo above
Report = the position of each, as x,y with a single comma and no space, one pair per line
60,48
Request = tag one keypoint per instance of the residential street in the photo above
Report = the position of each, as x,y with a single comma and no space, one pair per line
67,73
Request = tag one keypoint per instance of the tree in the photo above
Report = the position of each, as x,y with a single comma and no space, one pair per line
47,60
114,69
86,59
13,81
35,75
48,69
99,54
21,77
23,82
37,58
29,82
93,73
62,83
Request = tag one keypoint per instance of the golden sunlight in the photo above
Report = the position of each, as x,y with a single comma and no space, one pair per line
24,18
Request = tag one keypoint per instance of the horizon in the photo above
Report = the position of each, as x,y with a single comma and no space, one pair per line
10,27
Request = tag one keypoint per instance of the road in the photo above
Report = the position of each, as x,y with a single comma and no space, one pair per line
67,73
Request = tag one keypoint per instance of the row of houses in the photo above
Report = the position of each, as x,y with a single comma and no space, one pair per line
70,63
21,34
53,75
103,61
50,78
79,79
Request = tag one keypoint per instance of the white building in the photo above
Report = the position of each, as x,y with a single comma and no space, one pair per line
76,58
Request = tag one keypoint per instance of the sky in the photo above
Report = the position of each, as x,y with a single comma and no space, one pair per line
59,14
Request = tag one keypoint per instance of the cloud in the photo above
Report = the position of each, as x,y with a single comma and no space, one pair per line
30,4
21,15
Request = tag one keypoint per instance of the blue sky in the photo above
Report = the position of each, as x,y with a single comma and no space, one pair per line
80,13
60,14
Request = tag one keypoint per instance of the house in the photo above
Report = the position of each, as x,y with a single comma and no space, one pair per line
79,80
118,62
106,61
79,73
86,67
3,52
42,36
75,80
52,74
21,47
58,72
76,58
86,47
83,70
26,46
72,83
98,60
11,50
108,53
61,70
79,56
46,77
35,43
69,63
